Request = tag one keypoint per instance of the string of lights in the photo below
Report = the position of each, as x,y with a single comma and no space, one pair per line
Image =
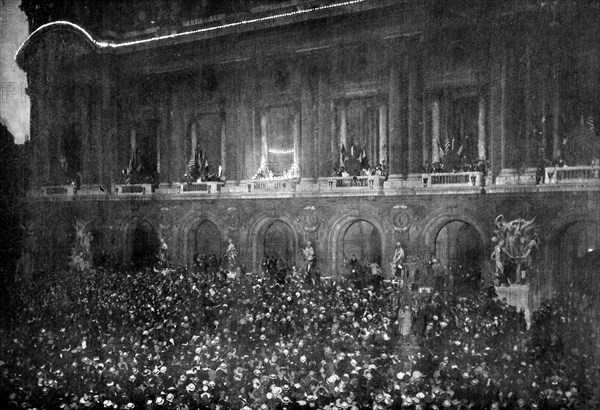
113,45
281,151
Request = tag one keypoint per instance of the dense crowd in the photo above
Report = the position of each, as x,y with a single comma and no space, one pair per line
178,338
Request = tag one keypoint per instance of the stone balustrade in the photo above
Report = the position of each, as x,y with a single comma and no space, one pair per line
453,179
572,174
370,182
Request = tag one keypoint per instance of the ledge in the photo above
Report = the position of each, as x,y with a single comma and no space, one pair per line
328,187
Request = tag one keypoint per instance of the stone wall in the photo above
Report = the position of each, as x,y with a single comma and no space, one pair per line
415,220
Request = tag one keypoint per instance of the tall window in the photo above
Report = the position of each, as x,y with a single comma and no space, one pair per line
280,130
360,129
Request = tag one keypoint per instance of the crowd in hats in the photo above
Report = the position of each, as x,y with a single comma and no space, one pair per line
178,338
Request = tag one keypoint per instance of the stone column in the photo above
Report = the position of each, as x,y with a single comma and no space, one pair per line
109,128
383,136
223,143
132,140
306,154
394,129
85,134
296,137
426,128
343,125
193,140
326,159
528,109
435,129
264,149
414,122
496,112
481,136
503,113
556,142
164,148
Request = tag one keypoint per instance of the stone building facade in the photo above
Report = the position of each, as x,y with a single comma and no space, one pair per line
471,110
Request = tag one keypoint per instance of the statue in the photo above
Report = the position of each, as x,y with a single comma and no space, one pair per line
397,260
309,257
81,253
163,251
514,242
231,256
405,319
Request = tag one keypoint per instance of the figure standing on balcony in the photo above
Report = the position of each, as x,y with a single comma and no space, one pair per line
397,260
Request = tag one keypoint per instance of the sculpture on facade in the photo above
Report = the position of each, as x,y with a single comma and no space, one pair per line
397,260
231,257
81,253
514,243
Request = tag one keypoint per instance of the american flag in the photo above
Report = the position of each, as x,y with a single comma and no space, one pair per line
447,146
589,123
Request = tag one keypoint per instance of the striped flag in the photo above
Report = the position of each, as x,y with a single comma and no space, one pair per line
447,146
589,123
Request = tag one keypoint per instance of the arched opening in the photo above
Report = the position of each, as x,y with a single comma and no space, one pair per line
280,243
362,241
144,249
457,245
208,240
577,256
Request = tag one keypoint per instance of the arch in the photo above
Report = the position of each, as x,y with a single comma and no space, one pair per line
55,26
258,230
436,224
456,244
573,251
279,242
208,239
186,233
362,240
335,243
145,244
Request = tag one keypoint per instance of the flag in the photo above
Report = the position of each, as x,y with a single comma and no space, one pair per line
363,159
192,163
447,146
589,123
342,155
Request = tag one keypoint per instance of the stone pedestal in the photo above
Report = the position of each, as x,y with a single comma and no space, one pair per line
58,191
510,176
92,190
414,181
394,182
306,185
517,296
167,188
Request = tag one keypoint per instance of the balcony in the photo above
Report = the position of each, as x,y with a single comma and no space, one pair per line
454,179
572,175
361,183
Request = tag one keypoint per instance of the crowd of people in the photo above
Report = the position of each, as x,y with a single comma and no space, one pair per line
179,338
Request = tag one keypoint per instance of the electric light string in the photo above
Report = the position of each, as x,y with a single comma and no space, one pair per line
112,45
